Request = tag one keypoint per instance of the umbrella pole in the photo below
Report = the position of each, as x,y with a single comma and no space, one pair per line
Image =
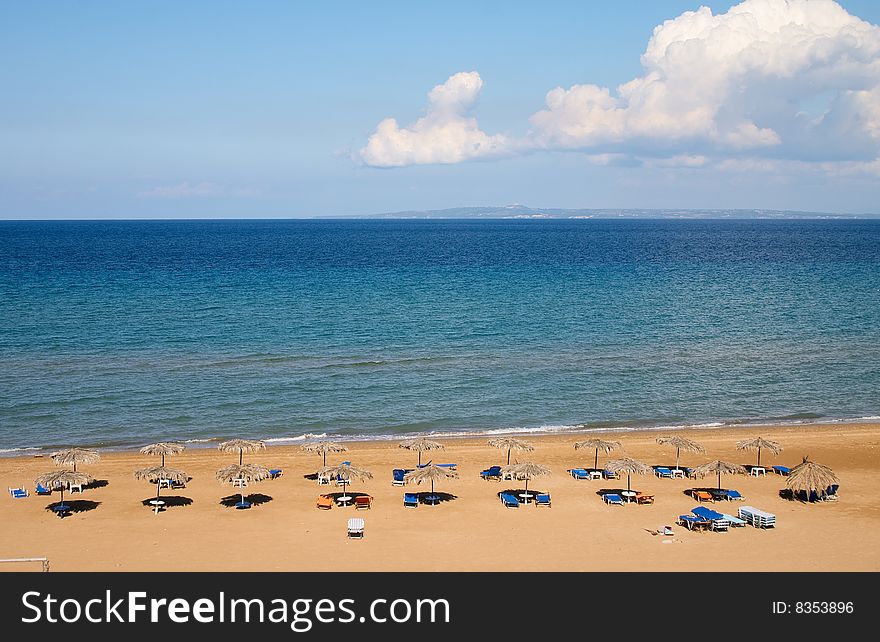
719,480
508,456
596,463
420,458
325,459
627,482
759,456
240,455
677,453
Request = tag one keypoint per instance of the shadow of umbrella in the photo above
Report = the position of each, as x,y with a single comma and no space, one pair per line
75,506
97,483
170,501
255,499
435,497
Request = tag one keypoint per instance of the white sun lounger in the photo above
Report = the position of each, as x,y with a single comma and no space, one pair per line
757,517
355,527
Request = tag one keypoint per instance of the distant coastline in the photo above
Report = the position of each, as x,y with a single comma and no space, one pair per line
518,211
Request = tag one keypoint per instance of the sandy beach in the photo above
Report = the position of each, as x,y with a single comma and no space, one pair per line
474,531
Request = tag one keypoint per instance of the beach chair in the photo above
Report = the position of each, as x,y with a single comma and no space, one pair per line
178,483
702,496
325,502
411,500
42,490
493,472
275,473
734,521
757,517
716,519
542,499
734,495
610,474
662,471
74,488
509,500
782,470
613,498
449,466
164,483
363,501
580,473
355,528
397,477
690,473
693,523
18,493
239,482
642,498
831,491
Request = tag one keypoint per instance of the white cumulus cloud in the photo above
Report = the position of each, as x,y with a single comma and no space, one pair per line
794,80
445,134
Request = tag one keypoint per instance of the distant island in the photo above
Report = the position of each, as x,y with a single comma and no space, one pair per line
525,212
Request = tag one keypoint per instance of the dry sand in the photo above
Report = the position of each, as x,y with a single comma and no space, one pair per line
473,532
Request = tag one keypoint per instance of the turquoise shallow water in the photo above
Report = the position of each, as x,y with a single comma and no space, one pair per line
117,333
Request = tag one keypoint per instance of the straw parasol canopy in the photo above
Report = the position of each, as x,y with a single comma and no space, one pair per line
511,443
163,448
421,444
681,443
75,456
324,447
247,472
526,470
759,443
598,444
719,467
429,472
61,478
241,446
155,475
810,476
345,473
629,466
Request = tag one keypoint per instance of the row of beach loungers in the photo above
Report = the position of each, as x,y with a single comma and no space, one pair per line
703,518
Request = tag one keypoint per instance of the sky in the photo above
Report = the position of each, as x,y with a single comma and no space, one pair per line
278,109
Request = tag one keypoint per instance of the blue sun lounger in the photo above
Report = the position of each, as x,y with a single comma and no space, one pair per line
662,471
397,476
542,499
18,493
716,519
411,500
610,474
275,473
580,473
42,490
493,472
613,498
510,501
692,522
782,470
734,494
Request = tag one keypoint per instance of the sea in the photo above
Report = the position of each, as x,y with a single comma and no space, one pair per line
114,334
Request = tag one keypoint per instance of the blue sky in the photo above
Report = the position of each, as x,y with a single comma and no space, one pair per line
161,109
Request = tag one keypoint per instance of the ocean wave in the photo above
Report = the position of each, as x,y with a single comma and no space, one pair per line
281,440
7,451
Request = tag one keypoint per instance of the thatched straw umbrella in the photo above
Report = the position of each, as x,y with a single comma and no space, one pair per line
345,473
75,456
421,444
163,448
324,447
511,443
599,444
629,466
681,443
431,473
241,446
247,472
719,467
526,470
759,443
809,476
61,478
155,475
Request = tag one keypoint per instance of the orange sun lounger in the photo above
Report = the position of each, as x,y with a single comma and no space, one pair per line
363,501
702,496
325,501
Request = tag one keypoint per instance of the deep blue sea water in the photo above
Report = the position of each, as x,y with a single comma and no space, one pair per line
119,333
